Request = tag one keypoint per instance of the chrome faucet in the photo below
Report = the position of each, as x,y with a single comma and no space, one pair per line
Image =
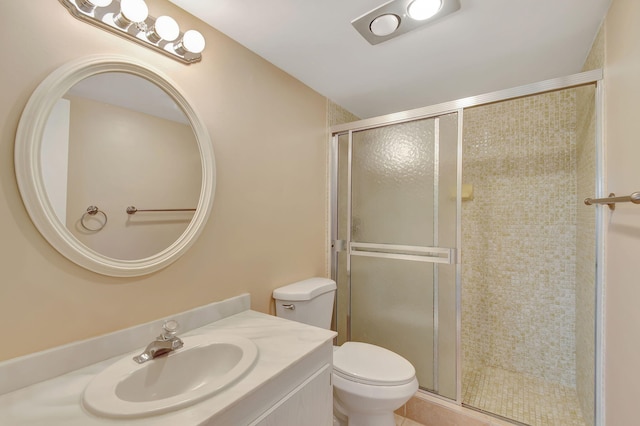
164,343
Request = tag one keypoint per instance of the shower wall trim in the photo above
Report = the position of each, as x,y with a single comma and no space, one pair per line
436,243
574,80
332,254
459,258
349,229
601,216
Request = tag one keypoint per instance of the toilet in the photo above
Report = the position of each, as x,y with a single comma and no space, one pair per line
369,382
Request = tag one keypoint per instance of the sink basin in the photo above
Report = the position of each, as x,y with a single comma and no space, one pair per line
204,366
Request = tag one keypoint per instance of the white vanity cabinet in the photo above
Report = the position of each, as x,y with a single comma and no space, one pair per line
301,395
310,404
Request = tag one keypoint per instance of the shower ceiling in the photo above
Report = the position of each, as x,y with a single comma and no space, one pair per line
485,46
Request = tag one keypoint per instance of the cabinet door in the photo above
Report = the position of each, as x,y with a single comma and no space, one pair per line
310,404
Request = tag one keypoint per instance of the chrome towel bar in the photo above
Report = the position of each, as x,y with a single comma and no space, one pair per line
133,210
611,200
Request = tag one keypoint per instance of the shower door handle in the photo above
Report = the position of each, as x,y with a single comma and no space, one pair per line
402,252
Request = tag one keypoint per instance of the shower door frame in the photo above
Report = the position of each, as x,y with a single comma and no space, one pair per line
593,77
436,254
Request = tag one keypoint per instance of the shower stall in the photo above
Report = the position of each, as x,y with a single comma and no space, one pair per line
460,241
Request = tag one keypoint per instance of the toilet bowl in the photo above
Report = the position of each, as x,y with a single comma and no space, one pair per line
369,382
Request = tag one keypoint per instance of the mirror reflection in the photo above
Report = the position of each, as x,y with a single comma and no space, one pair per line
117,140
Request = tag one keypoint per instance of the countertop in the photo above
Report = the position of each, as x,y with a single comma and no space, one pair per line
282,344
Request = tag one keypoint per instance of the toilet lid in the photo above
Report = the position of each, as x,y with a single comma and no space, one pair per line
370,364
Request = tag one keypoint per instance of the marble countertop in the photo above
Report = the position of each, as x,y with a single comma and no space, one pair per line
281,344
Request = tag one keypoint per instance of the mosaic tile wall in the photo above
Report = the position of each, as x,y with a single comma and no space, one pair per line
518,237
338,115
595,59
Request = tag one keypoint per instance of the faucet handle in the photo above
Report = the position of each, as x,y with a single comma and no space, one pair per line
170,328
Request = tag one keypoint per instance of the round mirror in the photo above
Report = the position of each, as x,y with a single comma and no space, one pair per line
114,166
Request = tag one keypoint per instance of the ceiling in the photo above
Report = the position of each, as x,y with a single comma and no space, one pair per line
485,46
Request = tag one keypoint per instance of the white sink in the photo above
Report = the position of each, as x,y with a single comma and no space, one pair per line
204,366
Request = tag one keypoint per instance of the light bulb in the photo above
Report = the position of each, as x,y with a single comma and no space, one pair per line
384,25
423,9
131,11
165,28
192,41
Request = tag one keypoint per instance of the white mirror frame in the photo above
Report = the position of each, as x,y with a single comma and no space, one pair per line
31,182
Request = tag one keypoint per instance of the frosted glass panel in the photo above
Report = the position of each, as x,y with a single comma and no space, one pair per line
392,306
392,198
403,183
447,237
342,278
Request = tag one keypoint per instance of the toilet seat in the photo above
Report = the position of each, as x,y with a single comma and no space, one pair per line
372,365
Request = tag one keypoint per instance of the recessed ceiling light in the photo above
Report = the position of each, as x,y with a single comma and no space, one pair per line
423,9
384,25
397,17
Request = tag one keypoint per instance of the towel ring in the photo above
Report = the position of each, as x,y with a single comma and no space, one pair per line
92,211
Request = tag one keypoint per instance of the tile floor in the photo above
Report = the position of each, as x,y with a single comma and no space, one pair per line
428,410
402,421
522,398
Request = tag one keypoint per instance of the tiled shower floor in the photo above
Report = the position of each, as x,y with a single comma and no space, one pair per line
521,398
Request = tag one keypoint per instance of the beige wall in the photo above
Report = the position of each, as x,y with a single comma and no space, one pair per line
266,229
622,244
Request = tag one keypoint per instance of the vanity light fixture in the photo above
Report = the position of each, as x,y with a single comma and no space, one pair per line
130,19
398,17
89,5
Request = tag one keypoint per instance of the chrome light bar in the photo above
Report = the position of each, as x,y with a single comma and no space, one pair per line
130,19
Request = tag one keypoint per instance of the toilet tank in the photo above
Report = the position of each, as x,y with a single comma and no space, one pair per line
309,301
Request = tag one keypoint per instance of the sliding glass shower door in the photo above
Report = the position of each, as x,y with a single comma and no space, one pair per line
396,240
